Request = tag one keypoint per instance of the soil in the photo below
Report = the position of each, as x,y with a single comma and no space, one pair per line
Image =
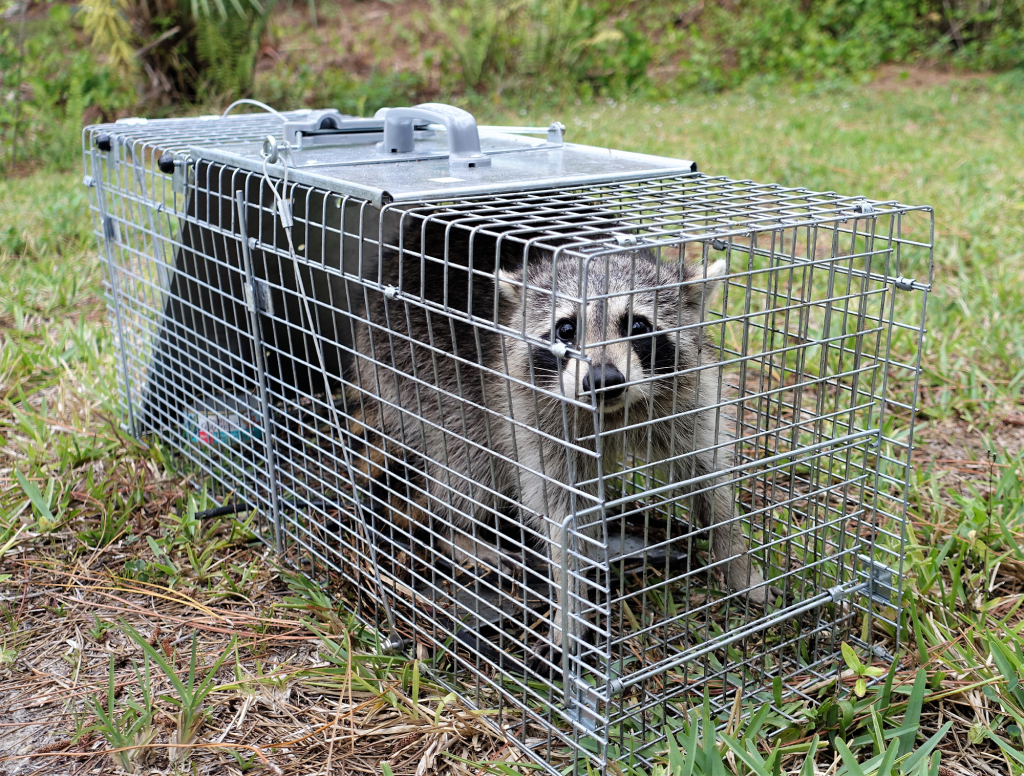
960,450
895,77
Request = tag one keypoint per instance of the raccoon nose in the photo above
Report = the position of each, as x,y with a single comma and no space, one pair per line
606,379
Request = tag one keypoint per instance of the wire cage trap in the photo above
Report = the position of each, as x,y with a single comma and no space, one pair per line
590,432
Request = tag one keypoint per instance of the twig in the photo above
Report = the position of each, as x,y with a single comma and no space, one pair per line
192,623
28,575
153,43
126,585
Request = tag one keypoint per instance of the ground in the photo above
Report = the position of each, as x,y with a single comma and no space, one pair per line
97,534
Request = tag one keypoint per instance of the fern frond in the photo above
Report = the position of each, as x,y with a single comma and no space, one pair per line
106,24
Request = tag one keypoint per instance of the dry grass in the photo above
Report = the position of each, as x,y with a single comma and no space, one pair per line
277,698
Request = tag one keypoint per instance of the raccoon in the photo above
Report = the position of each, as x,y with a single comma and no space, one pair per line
511,383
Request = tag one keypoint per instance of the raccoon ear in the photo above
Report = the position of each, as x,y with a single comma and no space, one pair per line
705,283
510,285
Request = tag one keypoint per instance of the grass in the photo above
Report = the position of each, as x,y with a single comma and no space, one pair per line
105,567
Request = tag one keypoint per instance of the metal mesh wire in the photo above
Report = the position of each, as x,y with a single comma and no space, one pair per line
390,390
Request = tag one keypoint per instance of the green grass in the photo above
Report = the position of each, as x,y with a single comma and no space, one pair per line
958,147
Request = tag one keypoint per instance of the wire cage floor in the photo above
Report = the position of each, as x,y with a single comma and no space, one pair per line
259,319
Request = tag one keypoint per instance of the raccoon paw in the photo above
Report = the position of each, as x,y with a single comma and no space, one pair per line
485,557
744,577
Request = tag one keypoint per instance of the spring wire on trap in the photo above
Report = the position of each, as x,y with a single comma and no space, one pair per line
270,154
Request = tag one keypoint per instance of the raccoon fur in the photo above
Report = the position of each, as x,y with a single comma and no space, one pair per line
485,398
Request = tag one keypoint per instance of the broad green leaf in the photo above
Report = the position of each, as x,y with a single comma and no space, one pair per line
912,717
808,767
849,760
848,711
675,756
713,759
883,699
1008,666
32,491
754,726
416,687
691,753
852,661
919,636
749,758
888,758
922,752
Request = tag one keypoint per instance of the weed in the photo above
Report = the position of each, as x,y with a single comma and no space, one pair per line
862,672
245,764
128,727
98,630
189,697
236,580
41,502
9,650
61,81
527,42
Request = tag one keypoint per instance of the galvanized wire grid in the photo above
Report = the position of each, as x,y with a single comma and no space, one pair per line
214,337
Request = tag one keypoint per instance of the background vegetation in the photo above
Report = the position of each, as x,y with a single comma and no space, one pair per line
127,622
63,64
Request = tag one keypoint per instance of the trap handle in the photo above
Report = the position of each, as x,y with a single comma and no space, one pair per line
463,137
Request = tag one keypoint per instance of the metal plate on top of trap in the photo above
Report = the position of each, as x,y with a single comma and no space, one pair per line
518,163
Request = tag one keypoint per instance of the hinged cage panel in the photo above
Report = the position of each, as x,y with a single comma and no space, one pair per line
590,448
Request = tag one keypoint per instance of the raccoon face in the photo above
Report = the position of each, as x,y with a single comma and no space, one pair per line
638,328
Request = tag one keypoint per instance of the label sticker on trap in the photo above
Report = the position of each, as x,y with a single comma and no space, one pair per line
447,180
226,420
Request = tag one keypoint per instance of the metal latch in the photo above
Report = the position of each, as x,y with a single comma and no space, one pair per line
258,298
331,127
879,586
582,705
180,179
179,169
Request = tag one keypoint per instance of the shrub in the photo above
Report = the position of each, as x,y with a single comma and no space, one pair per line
61,84
180,50
815,39
520,44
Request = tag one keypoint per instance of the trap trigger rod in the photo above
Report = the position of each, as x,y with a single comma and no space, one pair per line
284,214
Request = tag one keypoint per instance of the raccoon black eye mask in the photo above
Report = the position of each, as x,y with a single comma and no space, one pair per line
654,351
